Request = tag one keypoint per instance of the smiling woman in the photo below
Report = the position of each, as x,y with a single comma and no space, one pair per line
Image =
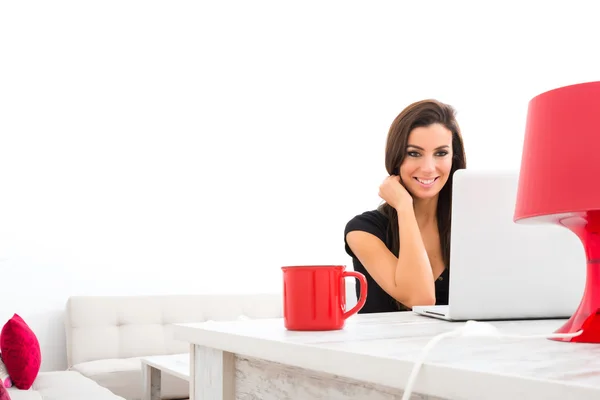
428,160
403,247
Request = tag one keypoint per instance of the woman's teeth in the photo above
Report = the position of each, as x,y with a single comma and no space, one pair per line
426,181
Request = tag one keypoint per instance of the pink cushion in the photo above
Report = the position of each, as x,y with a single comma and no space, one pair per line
3,393
20,352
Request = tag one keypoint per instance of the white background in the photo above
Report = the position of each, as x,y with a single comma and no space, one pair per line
177,147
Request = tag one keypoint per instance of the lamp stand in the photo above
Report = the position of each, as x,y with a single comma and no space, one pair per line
587,316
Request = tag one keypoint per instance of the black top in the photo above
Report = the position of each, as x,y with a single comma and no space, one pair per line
376,223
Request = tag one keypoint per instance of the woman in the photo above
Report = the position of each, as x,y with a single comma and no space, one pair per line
403,247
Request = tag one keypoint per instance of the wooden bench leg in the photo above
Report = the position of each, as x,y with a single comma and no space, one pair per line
151,382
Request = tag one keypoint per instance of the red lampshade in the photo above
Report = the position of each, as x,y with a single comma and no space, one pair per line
560,171
559,182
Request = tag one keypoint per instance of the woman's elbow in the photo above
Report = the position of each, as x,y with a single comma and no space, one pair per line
422,300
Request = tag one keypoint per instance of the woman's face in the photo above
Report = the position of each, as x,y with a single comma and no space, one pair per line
428,161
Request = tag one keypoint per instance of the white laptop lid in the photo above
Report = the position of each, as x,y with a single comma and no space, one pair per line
501,269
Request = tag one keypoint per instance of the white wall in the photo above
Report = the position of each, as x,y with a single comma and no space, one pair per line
143,142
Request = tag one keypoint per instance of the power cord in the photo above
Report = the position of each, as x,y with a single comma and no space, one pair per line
471,329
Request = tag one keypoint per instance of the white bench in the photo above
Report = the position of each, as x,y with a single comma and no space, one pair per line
154,367
63,385
108,335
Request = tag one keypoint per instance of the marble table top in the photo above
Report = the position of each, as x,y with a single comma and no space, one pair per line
382,349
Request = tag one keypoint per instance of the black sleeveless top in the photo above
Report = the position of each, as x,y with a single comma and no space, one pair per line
376,223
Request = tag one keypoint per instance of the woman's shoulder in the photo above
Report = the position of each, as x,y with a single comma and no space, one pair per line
373,221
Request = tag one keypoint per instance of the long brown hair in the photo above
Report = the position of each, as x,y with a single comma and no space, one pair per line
422,114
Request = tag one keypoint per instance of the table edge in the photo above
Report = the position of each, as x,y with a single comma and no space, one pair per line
427,382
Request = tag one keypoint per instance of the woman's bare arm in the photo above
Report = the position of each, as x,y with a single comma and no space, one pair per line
414,275
408,278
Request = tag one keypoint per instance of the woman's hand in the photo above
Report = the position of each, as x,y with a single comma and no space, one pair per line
394,193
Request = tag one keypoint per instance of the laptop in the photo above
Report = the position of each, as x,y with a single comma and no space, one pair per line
501,270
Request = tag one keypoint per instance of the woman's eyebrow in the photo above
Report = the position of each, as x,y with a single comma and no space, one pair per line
437,148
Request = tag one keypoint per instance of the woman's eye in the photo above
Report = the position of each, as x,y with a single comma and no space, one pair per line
442,153
413,154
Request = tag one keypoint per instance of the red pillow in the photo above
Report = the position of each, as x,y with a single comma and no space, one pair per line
4,393
20,352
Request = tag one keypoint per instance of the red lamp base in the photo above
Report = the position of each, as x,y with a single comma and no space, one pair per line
587,316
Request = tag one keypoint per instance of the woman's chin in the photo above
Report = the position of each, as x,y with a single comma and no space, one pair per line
425,193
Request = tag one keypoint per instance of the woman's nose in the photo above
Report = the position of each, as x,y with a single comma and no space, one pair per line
428,164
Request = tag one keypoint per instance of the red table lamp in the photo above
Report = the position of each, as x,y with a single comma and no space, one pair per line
559,183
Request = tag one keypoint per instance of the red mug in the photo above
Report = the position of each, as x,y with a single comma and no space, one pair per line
314,297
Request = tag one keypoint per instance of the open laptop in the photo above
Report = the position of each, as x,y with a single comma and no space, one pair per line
503,270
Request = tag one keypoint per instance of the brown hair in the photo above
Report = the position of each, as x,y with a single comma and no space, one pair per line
422,114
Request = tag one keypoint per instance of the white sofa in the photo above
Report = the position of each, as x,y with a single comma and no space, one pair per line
107,335
63,385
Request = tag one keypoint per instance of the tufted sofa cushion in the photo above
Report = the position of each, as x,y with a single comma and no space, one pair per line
106,335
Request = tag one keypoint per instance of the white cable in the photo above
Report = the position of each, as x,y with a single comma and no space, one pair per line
471,328
415,371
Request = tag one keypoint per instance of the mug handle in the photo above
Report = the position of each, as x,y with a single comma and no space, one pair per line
363,292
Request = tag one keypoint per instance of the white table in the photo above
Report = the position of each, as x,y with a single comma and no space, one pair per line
374,355
152,368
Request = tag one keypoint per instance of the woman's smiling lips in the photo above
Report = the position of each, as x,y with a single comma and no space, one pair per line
426,182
